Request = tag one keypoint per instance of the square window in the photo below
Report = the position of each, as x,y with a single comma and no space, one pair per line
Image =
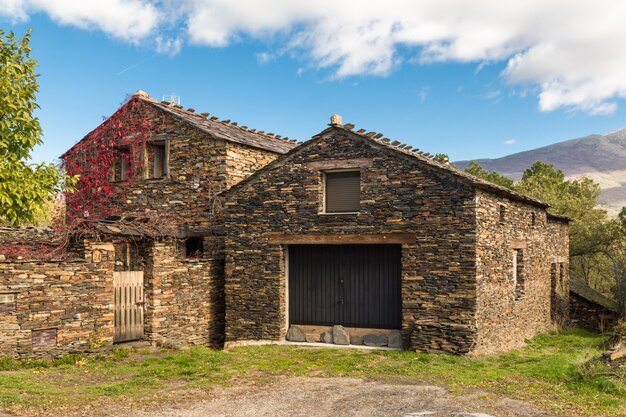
194,247
342,193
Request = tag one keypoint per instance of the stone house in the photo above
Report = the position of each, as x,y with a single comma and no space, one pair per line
350,229
345,229
186,159
167,291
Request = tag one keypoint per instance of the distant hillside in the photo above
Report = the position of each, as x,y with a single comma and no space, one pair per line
600,157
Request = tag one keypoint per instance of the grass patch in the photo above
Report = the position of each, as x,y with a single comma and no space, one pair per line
552,372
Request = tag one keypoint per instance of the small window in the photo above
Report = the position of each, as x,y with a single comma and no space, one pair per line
7,302
121,169
502,213
158,160
342,192
533,219
519,282
194,247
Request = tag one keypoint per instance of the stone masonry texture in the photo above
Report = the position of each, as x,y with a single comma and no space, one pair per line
74,297
505,319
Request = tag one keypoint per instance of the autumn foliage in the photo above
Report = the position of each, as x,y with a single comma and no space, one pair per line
120,139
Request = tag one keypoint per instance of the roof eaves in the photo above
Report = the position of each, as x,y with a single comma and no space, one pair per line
429,160
584,291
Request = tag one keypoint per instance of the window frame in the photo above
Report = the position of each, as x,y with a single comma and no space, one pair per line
150,161
324,174
123,163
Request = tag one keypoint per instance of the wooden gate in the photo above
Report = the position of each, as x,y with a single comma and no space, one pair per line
128,302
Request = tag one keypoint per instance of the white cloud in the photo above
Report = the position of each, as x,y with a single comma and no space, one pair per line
129,20
168,46
510,142
493,95
264,57
569,51
14,10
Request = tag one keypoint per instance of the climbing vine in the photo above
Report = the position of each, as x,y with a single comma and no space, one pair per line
98,160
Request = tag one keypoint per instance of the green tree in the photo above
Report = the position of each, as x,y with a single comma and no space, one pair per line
25,188
578,199
478,171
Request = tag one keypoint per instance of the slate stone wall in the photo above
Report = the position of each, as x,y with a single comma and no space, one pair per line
398,195
507,314
10,236
60,307
591,316
184,298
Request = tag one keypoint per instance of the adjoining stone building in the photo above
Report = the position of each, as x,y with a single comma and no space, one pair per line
353,230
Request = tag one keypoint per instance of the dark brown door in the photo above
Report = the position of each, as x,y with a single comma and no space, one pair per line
351,285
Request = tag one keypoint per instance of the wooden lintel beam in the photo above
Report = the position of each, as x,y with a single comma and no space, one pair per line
343,239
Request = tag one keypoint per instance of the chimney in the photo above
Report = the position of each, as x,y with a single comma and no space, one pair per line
141,93
335,120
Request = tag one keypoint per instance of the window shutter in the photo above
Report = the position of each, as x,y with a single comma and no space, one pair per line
343,191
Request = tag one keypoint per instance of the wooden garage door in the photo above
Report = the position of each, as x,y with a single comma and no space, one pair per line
351,285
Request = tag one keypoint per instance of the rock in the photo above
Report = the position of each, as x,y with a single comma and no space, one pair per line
375,340
326,337
340,335
356,340
395,339
614,355
312,337
295,334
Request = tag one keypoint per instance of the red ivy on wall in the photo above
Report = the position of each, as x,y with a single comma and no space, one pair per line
93,159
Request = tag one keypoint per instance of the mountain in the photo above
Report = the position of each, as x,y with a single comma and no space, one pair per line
600,157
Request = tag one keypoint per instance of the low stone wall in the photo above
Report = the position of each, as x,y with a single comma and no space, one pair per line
51,308
591,316
454,338
185,299
25,235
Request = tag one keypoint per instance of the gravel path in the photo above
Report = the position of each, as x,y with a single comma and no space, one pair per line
317,397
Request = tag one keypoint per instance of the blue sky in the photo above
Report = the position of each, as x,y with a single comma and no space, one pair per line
466,107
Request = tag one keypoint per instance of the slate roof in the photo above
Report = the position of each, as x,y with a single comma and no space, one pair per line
424,157
585,291
219,129
226,129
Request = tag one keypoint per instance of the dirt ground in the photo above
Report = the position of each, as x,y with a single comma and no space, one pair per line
316,397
